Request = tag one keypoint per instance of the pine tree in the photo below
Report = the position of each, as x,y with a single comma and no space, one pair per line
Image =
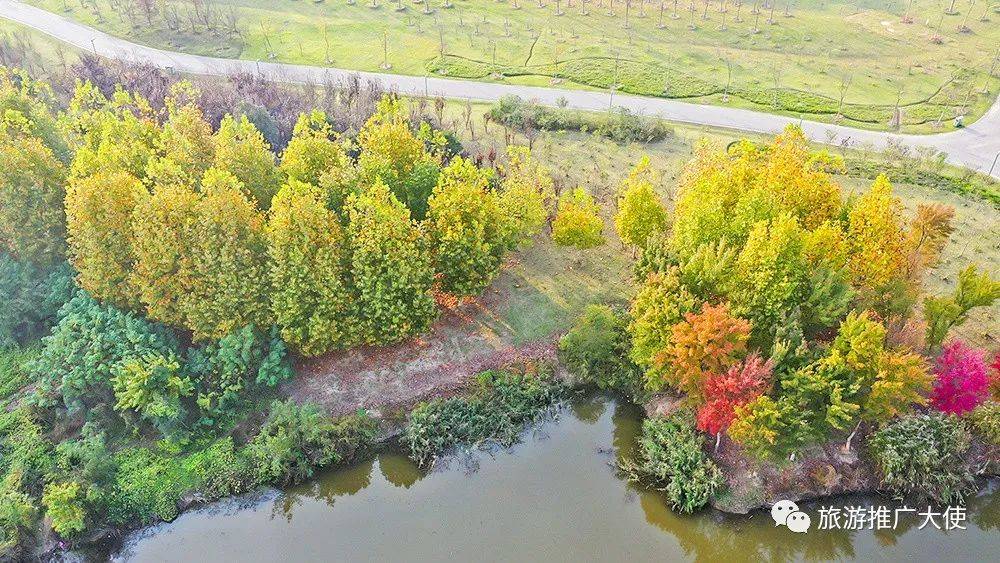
310,299
467,229
99,212
390,267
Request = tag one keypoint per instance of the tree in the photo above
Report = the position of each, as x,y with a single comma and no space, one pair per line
64,506
389,148
467,229
770,276
99,211
578,222
33,104
526,197
661,302
640,213
116,135
390,268
32,220
596,349
310,299
153,387
186,145
163,227
962,382
228,261
736,387
767,428
876,245
944,313
241,150
86,348
313,150
704,343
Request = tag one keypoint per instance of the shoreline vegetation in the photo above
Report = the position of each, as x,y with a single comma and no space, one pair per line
776,329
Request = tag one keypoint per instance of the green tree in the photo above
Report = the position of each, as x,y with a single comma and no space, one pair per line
578,222
974,289
661,302
310,299
390,267
99,211
64,506
640,213
389,148
153,386
467,229
241,150
770,276
769,428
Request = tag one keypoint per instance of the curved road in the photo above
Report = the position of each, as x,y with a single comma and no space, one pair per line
976,146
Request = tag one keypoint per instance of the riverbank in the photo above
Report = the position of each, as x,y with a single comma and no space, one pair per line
473,504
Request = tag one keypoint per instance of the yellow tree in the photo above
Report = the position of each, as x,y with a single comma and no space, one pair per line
163,228
228,258
186,146
313,150
640,213
467,229
99,211
526,197
390,269
241,150
120,134
661,302
310,300
389,148
32,220
578,222
876,246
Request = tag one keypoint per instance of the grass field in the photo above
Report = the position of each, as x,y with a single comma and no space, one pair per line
800,63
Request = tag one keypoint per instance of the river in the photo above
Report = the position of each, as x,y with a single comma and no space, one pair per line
554,497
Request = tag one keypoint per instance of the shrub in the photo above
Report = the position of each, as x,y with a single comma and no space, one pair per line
498,411
985,421
619,125
64,506
296,440
672,459
597,349
32,297
962,381
924,455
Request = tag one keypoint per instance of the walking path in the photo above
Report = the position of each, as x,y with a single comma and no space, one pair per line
976,146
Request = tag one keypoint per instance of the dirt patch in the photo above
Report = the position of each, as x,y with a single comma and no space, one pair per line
387,379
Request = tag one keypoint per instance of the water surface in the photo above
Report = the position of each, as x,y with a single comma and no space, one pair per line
555,497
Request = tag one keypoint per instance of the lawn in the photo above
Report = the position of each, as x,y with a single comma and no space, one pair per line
799,63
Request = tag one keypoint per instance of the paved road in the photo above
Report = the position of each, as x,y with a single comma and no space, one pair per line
976,146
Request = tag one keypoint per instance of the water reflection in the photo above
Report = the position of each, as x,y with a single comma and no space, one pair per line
556,497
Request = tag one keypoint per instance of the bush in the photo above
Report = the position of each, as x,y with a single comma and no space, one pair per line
498,411
64,506
924,455
296,440
671,458
619,125
88,346
597,348
15,373
31,297
985,422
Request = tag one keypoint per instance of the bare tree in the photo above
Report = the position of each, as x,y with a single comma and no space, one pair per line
845,84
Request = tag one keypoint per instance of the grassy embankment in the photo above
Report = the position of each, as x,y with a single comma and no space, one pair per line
797,65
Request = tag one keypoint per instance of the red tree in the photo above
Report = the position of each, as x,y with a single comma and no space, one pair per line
995,377
724,392
962,382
